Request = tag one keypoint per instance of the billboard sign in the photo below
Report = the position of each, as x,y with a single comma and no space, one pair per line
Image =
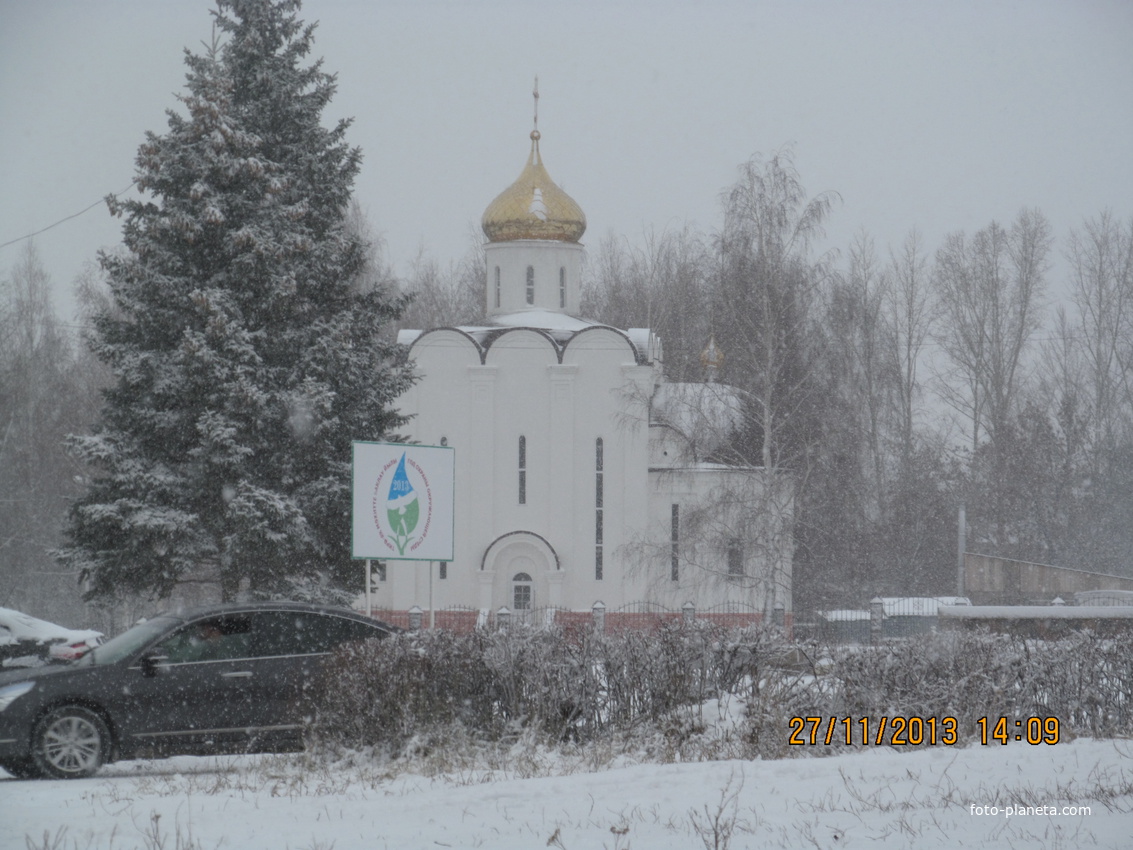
403,501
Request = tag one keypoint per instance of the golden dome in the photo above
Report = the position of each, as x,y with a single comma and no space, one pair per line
712,358
533,207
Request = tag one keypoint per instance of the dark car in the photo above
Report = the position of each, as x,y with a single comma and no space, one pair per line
230,678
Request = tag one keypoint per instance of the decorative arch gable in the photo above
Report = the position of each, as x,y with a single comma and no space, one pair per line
515,541
600,338
528,343
453,344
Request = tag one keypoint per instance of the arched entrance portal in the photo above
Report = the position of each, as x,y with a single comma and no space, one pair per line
520,570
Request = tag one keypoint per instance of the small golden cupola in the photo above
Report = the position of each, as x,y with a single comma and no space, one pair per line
534,207
712,358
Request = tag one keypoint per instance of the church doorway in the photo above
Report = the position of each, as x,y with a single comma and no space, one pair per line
521,592
520,571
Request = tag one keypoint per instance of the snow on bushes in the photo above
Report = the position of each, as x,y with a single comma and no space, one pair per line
701,691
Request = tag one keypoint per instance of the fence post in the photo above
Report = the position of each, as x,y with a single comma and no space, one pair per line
415,619
598,612
688,611
876,612
503,618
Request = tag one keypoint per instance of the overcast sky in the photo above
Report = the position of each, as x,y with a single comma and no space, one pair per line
938,115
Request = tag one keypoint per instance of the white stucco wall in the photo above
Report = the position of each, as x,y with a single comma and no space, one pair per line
561,407
481,399
719,507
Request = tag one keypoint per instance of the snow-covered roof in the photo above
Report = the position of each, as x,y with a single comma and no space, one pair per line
705,413
1037,612
548,320
560,327
919,606
647,343
842,615
1104,597
901,606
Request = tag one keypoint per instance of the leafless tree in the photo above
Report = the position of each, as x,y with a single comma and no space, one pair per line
989,290
376,271
767,288
909,321
613,290
1101,266
40,403
661,284
734,544
856,322
445,297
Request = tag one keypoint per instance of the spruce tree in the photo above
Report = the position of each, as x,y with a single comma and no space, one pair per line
247,357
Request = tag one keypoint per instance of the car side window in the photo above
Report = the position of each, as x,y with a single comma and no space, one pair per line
305,633
213,639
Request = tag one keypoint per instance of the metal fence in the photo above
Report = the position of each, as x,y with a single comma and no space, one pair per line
635,615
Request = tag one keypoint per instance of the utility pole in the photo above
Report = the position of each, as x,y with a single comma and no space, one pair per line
961,545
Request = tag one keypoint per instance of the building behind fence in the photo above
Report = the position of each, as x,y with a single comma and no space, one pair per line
1002,581
1100,611
887,617
640,615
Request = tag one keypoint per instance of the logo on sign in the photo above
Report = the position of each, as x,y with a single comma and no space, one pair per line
402,505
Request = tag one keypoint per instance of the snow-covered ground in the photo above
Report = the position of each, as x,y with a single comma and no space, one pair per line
880,798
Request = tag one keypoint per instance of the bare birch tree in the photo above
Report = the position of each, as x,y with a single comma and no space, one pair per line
768,287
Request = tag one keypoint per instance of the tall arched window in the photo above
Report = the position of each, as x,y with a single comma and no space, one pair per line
522,592
523,470
598,508
562,286
497,286
531,284
735,557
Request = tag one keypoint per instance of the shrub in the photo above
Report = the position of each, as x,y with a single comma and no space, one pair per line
419,691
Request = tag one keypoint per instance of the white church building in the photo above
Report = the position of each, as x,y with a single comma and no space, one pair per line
581,473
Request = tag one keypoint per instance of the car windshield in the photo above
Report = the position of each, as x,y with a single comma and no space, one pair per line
129,642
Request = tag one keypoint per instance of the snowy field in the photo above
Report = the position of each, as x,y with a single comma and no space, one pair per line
871,799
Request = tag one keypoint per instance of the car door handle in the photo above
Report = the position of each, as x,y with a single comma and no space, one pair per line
239,674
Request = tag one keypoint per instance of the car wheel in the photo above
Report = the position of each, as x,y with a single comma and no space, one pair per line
70,742
20,768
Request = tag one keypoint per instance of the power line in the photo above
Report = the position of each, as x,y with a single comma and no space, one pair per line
68,218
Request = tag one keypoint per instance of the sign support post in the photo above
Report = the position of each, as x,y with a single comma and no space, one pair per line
369,604
432,610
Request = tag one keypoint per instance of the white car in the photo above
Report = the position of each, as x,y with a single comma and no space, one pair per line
27,641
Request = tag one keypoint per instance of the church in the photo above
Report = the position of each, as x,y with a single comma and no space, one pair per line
583,477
